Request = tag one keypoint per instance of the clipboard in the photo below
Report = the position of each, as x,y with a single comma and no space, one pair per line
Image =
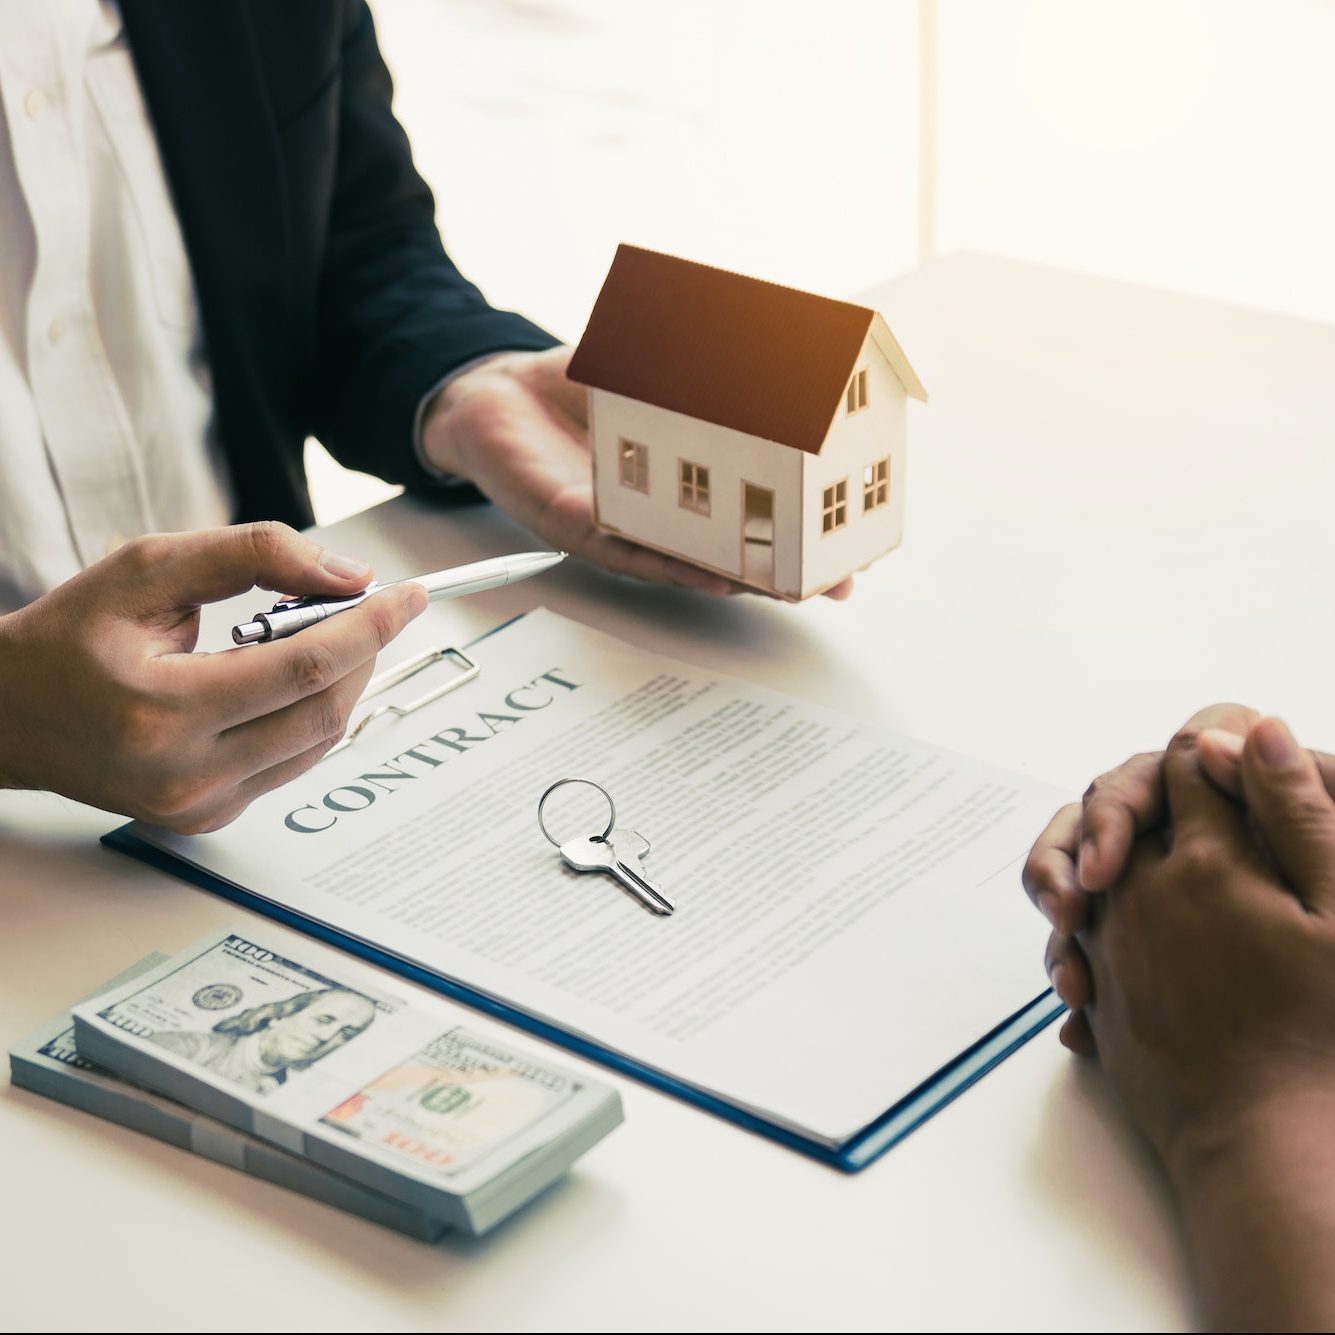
862,1148
396,676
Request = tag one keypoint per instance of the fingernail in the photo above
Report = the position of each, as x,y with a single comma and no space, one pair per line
1275,744
1085,859
415,601
1228,742
1058,980
344,567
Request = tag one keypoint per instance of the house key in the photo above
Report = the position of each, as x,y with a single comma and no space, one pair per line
597,853
615,852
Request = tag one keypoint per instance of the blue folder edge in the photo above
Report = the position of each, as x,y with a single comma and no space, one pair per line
862,1148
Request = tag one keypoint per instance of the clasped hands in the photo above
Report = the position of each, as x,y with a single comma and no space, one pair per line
1191,895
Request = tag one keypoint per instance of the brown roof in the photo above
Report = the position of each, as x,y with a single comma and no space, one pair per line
767,360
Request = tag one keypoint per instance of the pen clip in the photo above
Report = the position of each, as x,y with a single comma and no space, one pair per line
392,677
310,599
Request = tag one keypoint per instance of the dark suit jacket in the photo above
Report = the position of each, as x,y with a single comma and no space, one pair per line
329,305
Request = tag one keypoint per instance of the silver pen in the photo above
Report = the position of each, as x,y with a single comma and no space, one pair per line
294,614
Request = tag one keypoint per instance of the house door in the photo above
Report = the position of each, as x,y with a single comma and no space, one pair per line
757,535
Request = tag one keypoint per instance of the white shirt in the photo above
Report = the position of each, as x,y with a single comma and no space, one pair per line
106,406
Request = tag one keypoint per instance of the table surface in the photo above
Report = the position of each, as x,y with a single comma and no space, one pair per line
1119,511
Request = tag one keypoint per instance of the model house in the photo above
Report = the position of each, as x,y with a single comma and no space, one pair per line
749,428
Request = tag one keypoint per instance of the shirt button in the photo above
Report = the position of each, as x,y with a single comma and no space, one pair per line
35,103
55,331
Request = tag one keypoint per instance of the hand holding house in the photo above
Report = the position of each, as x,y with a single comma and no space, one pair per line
752,429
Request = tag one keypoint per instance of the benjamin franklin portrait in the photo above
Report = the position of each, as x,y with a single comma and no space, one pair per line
257,1048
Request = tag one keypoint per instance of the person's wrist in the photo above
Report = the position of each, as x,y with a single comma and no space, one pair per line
12,767
1252,1185
445,441
1274,1135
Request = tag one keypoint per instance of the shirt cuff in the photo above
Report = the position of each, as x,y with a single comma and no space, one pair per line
438,475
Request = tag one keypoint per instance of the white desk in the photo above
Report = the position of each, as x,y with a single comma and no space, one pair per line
1120,510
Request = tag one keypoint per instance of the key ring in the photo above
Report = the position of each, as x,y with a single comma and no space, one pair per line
560,783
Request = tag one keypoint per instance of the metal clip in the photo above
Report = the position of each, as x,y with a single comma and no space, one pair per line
392,677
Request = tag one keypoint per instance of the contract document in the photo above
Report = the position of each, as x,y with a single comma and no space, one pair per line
849,922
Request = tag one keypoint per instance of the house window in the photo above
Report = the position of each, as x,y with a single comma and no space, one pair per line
634,463
694,492
857,392
834,507
875,485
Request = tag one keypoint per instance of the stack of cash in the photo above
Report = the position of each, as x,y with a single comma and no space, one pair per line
324,1076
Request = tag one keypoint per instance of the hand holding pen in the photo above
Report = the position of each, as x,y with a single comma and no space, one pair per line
105,701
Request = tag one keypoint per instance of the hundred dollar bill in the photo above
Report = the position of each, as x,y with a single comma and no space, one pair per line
338,1063
247,1013
48,1063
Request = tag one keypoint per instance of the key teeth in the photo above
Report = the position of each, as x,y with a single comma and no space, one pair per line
628,873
